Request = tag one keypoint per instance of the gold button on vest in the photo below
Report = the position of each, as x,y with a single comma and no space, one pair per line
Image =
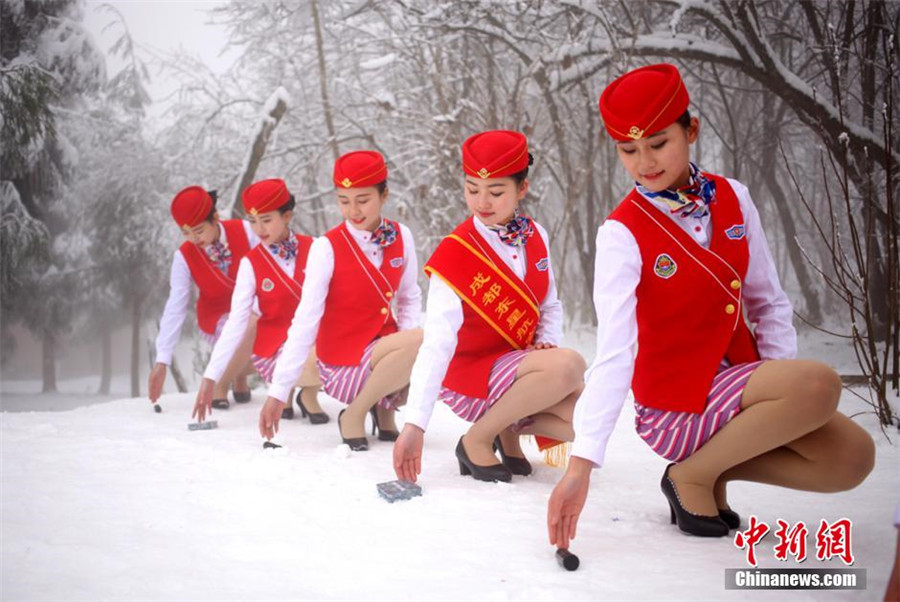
388,294
729,309
384,311
735,284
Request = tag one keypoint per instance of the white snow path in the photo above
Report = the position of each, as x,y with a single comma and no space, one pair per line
112,501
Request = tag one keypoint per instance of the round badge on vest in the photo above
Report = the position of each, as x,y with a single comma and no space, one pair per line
665,267
267,285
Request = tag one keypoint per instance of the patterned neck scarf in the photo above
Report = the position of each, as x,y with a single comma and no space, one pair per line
286,249
219,253
516,231
691,200
385,234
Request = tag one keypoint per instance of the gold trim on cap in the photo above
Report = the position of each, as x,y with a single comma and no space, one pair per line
484,174
636,133
348,183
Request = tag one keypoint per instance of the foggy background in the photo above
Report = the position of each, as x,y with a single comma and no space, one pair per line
108,109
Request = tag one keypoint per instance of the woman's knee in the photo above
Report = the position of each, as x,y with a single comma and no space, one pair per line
568,365
817,388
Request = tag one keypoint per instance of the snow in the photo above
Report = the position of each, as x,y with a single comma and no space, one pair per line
378,63
113,501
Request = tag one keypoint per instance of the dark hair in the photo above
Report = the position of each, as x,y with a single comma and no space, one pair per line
685,119
381,186
214,195
289,206
520,176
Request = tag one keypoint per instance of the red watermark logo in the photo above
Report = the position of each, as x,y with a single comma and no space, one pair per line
832,540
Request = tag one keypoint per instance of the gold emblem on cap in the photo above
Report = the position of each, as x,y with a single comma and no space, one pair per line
483,173
346,183
253,211
635,132
186,229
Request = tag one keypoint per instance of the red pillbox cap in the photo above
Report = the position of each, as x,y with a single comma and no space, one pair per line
191,206
265,196
643,101
495,154
359,169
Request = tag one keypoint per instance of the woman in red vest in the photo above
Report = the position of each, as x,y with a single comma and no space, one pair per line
270,277
209,258
680,263
357,272
493,323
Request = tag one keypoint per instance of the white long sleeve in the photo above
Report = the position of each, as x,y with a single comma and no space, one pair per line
320,269
615,280
301,335
444,318
180,285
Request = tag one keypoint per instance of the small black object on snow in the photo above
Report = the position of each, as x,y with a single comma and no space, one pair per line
157,408
270,445
567,559
203,426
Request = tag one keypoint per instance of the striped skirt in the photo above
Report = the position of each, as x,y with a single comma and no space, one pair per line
677,435
503,375
345,382
212,338
266,365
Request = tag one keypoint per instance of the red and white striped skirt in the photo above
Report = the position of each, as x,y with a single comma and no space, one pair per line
345,382
212,338
503,375
677,435
266,365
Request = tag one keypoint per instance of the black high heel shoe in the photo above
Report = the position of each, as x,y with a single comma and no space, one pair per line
314,417
287,412
220,404
730,518
494,473
383,435
242,396
688,522
517,466
356,443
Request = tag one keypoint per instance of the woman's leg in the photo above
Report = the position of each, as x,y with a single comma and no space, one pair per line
554,422
783,407
392,361
239,366
311,385
546,378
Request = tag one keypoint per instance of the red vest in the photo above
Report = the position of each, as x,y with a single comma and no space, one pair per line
214,300
490,321
358,307
689,301
278,295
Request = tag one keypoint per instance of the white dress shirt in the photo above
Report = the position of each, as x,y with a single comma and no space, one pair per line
180,285
617,272
243,301
444,318
407,302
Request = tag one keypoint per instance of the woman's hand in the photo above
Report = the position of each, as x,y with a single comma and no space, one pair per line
567,501
408,453
269,416
157,378
203,404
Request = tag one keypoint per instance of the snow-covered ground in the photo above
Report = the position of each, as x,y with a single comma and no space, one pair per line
112,501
